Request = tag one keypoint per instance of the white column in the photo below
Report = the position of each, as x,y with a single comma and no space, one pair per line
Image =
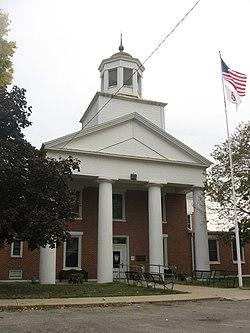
105,233
119,77
155,227
200,229
47,265
134,82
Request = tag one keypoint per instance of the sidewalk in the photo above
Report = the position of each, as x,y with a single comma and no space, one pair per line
193,293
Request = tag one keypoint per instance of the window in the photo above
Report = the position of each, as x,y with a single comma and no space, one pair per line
113,77
163,209
189,222
119,206
15,274
213,247
234,252
72,251
17,249
78,204
165,250
127,77
139,82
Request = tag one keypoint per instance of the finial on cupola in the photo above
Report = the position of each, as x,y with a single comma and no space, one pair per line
121,48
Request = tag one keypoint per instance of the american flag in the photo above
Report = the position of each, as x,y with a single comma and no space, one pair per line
237,80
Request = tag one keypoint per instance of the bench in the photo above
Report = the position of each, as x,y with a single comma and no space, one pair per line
157,278
66,274
134,276
226,275
201,275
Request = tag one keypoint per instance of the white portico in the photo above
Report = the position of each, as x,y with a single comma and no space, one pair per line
124,135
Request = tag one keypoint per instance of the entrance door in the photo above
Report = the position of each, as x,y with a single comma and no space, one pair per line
119,260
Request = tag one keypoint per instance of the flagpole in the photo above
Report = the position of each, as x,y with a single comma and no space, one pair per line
237,236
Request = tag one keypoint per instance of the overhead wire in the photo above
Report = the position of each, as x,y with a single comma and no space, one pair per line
135,72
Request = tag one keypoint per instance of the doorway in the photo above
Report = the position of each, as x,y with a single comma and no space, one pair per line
120,257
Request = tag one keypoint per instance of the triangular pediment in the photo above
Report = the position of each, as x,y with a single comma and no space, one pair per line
130,136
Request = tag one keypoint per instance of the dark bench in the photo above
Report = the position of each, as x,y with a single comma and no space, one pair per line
201,275
66,274
224,275
166,280
134,277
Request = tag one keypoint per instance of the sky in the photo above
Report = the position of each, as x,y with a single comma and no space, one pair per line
61,43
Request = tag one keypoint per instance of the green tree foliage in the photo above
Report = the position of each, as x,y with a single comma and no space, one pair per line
7,49
35,200
219,186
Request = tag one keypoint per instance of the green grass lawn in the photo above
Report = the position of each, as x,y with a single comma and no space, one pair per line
219,284
28,290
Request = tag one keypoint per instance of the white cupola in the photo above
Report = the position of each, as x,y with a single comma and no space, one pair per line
121,74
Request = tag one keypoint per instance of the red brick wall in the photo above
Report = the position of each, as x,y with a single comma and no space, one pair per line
179,244
29,263
226,260
136,225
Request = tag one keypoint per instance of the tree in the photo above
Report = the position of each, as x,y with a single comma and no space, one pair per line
36,202
7,49
218,185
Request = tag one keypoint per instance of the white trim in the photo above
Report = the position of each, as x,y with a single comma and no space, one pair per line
165,249
74,234
15,276
20,255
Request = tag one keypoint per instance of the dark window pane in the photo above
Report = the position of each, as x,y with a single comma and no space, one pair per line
72,253
127,77
117,206
213,254
16,248
113,77
235,251
116,259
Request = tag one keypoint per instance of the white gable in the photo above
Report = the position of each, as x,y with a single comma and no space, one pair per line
129,136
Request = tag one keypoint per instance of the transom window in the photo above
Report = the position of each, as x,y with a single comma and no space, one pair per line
17,249
113,77
127,76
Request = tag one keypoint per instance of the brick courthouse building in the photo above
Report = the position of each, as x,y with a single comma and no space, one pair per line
132,189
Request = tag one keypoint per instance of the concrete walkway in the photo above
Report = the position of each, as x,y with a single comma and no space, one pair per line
193,293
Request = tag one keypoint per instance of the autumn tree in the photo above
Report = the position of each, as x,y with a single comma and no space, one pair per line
7,49
36,202
219,186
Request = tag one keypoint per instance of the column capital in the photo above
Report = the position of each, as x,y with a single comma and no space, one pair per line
154,185
105,180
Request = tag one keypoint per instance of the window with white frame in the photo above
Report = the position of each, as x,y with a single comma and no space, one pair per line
189,222
127,76
213,248
118,206
15,274
163,209
78,204
73,251
165,250
17,249
113,77
234,252
139,83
